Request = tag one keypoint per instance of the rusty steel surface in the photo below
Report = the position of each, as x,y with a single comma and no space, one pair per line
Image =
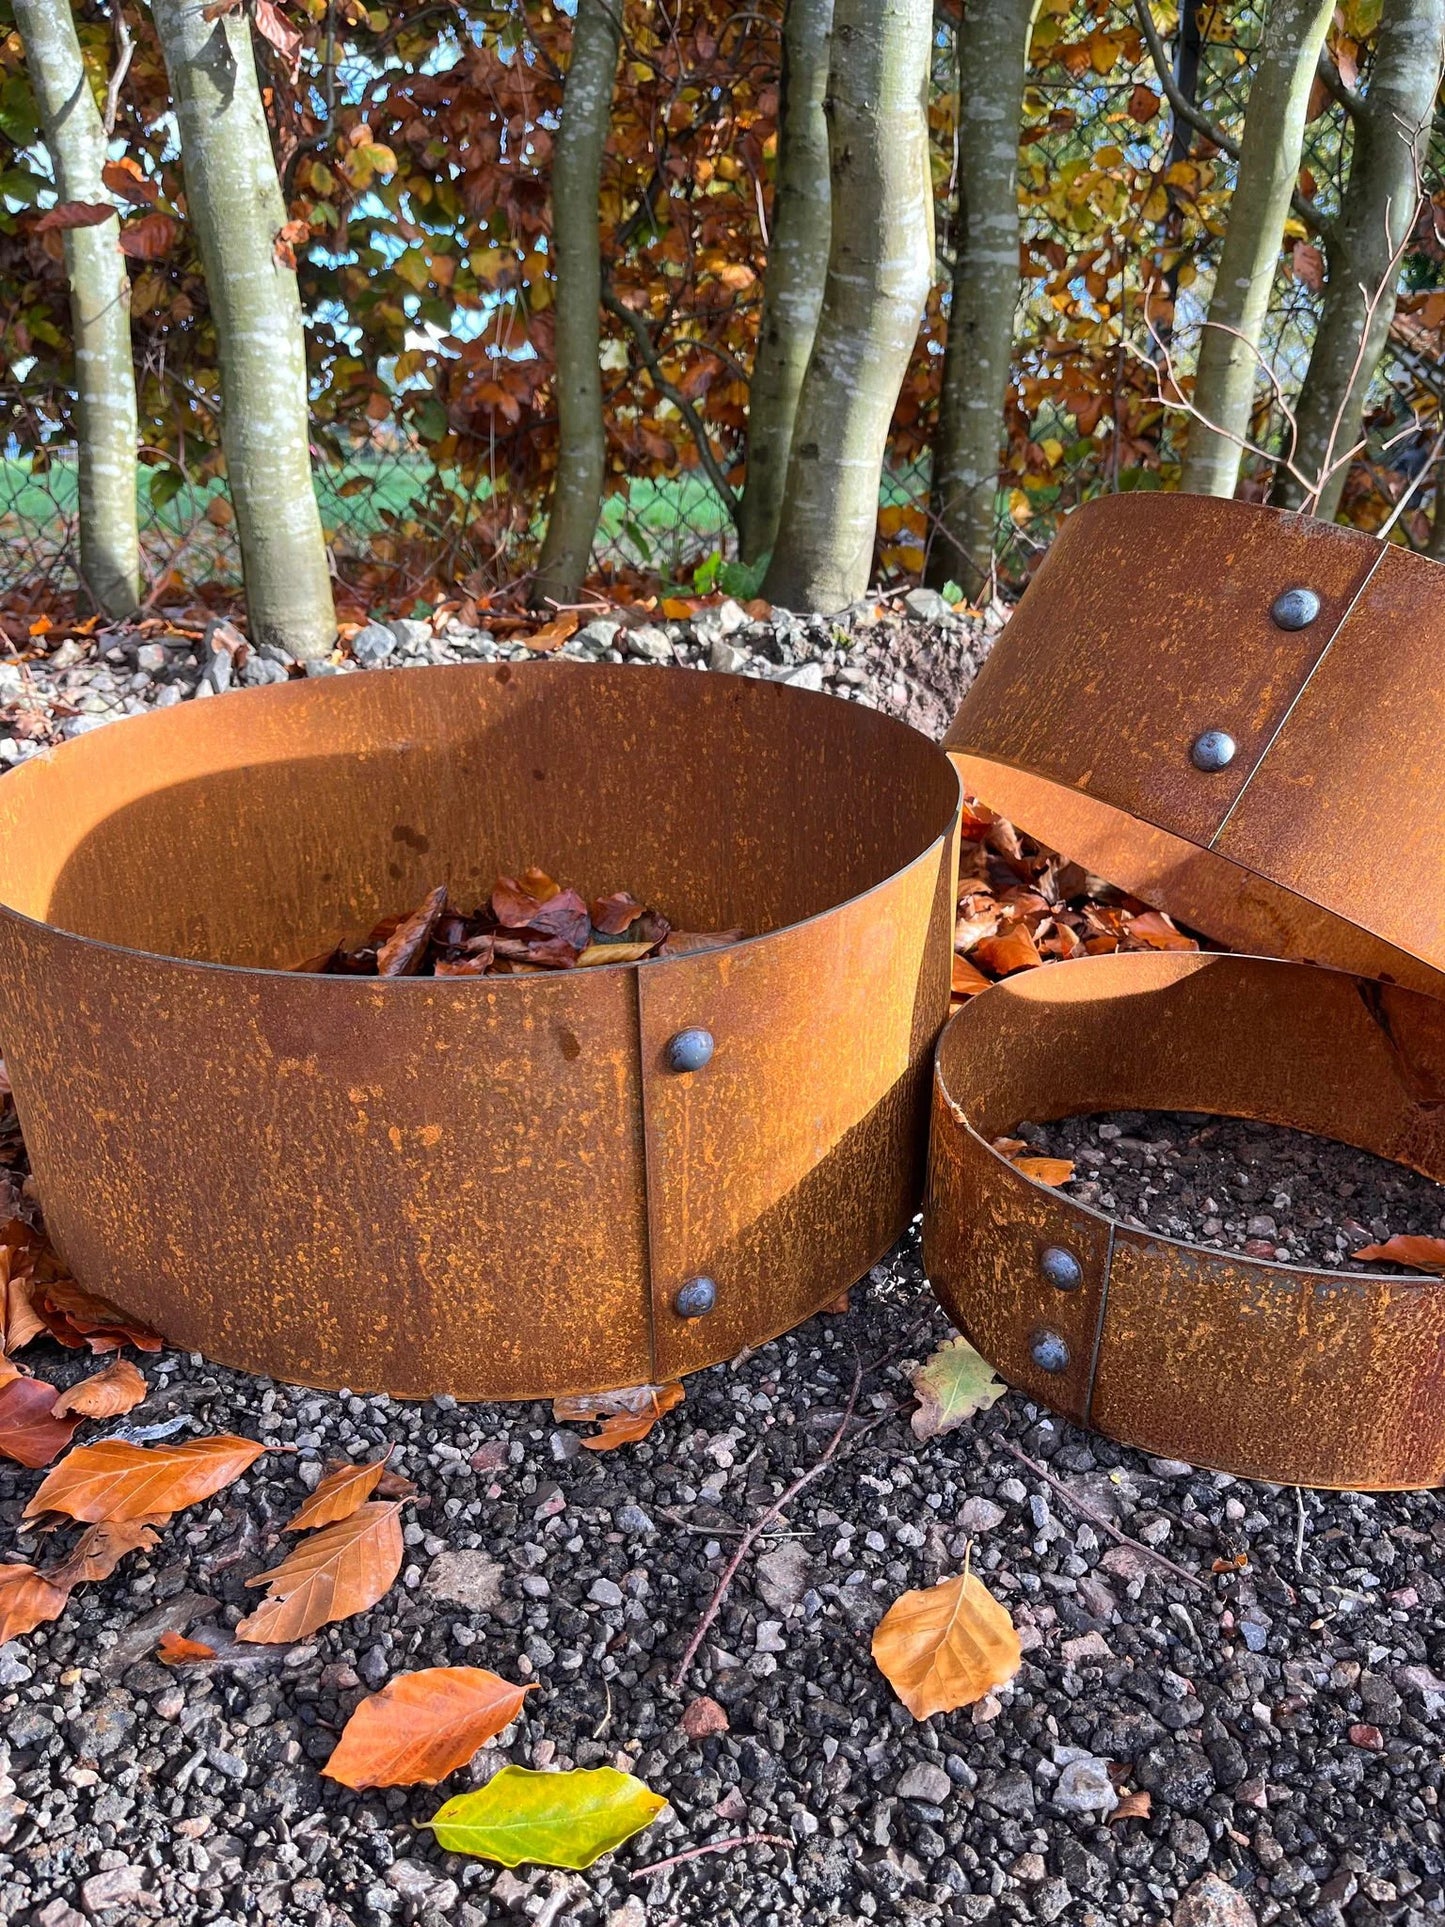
1150,625
1266,1370
492,1187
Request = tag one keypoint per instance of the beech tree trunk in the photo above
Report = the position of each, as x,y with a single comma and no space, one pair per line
107,432
1391,127
880,264
234,201
993,43
576,185
1269,163
797,269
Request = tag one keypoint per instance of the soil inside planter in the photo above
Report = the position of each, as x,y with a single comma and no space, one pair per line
1238,1185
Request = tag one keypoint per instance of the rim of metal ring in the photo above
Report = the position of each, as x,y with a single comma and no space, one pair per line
1272,1371
1194,732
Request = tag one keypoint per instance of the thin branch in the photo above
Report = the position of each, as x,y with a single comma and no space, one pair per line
1098,1518
126,50
712,1846
652,361
1337,87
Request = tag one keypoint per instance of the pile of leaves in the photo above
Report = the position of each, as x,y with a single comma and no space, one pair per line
1021,904
528,923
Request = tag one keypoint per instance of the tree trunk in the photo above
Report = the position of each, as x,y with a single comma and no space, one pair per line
880,264
993,44
797,268
1391,126
106,427
576,185
234,201
1269,163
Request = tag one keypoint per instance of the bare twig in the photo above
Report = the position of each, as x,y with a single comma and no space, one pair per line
1098,1518
711,1846
652,361
125,51
760,1526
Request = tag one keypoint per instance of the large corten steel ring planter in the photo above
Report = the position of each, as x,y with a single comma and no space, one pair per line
494,1187
1236,713
1310,1377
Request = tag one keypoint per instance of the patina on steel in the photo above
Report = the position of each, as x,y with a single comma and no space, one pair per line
1235,713
497,1187
1268,1370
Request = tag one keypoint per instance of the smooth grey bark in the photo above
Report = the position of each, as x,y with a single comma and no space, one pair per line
576,184
993,43
1391,126
234,201
1269,162
796,271
880,265
107,432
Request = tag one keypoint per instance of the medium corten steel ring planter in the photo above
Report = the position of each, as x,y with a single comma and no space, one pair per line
1235,713
1272,1371
493,1187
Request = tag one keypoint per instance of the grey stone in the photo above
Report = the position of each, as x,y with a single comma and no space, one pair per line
1051,1900
1178,1775
323,668
102,1729
409,633
421,1885
632,1518
1084,1786
605,1592
927,1783
169,696
649,645
112,1888
980,1515
1009,1792
28,1726
59,1913
373,644
928,605
727,659
258,671
273,652
784,1575
770,1636
465,1579
12,1664
598,636
806,675
1210,1902
149,656
81,725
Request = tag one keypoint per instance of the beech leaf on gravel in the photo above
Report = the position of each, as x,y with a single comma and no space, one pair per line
30,1434
114,1480
337,1496
105,1394
946,1647
27,1600
627,1415
547,1819
422,1726
951,1386
99,1550
176,1650
1420,1254
338,1571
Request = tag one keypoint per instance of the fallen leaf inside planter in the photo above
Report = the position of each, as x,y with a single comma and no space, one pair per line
176,1650
337,1496
547,1819
105,1394
114,1480
30,1434
338,1571
1045,1170
1419,1254
627,1415
27,1600
422,1726
946,1647
951,1386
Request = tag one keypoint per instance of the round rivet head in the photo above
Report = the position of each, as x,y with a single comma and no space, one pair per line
690,1050
1215,749
1061,1269
696,1299
1294,609
1049,1352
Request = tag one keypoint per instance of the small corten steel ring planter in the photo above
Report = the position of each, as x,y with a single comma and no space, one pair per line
1267,1370
1234,712
502,1187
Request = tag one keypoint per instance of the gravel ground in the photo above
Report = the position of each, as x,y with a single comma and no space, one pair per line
1240,1186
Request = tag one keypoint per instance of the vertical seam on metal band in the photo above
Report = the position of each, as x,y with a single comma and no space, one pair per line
647,1238
1099,1327
1298,696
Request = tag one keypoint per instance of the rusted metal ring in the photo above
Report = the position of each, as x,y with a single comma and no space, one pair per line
1160,622
1268,1370
492,1187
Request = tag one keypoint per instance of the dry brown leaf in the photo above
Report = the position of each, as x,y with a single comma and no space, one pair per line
337,1496
422,1726
27,1600
176,1650
30,1434
613,953
1155,929
114,1480
627,1415
1014,950
543,641
22,1321
100,1549
946,1647
1420,1254
1132,1806
338,1571
402,953
105,1394
76,1316
1045,1170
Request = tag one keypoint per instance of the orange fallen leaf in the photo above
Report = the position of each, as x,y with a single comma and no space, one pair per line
1155,929
338,1571
30,1434
78,1317
27,1600
554,634
422,1726
114,1480
946,1647
627,1415
1420,1254
1012,950
21,1321
337,1496
105,1394
176,1650
1132,1806
968,980
100,1549
1045,1170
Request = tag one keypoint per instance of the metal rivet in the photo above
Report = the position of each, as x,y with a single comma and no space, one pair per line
696,1299
1295,609
1061,1268
1215,749
690,1050
1049,1352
